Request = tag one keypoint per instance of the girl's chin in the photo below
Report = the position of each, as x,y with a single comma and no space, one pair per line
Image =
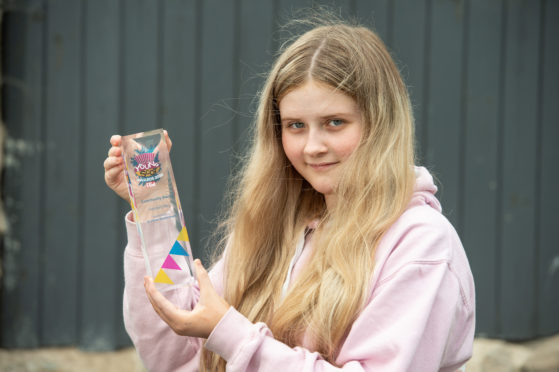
325,190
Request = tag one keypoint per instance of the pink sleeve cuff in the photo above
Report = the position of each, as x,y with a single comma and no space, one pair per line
155,231
229,334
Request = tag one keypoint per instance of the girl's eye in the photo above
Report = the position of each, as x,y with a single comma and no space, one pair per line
296,125
335,122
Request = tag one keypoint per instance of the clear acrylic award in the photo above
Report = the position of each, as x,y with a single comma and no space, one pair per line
157,210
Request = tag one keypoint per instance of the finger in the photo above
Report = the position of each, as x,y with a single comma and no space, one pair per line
202,275
112,162
151,300
166,310
152,293
168,140
112,176
115,151
115,140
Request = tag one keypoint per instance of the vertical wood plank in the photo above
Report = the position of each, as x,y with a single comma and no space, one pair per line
101,282
23,69
216,129
445,97
479,230
179,99
139,79
518,173
341,8
375,14
255,60
411,53
61,181
140,66
288,10
548,275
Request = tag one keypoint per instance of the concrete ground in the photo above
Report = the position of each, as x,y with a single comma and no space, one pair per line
498,356
69,360
489,356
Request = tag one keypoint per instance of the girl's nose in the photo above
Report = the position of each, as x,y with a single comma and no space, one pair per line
315,144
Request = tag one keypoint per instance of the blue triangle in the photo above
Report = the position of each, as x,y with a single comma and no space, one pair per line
178,249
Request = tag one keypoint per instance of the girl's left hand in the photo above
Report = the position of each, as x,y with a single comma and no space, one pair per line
199,322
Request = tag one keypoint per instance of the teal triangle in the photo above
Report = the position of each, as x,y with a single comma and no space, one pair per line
178,249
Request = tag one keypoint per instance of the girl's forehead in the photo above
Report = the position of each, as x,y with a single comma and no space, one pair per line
316,96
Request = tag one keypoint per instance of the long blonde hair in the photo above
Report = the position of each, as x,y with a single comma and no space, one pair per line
272,203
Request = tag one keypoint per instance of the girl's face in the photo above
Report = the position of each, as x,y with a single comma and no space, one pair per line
320,128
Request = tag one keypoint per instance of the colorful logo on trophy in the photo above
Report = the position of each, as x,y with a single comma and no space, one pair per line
177,250
147,167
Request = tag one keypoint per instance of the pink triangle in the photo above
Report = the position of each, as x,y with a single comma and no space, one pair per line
170,264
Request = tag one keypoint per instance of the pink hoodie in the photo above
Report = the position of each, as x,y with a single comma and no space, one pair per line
419,316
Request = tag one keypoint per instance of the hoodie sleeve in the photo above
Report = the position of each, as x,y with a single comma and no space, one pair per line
419,316
159,348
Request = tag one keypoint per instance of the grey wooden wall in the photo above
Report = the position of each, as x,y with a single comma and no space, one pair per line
485,86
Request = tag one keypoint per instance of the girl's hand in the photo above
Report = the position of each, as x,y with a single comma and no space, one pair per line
114,166
199,322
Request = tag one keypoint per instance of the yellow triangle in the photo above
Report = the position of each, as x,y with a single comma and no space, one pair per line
183,236
162,278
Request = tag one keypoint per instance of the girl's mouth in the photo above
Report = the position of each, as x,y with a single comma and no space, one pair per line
322,166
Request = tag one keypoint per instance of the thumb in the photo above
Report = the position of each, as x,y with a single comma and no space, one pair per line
202,275
167,140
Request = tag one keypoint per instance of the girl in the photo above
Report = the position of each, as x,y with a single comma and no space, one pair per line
336,253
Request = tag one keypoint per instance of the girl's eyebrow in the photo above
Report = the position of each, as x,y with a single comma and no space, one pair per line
283,120
328,116
339,114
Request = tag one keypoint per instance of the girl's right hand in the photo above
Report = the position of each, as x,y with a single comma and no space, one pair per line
114,166
114,169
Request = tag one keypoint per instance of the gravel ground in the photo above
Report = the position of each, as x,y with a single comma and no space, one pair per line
489,356
69,360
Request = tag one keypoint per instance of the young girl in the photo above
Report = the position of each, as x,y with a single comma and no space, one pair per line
336,253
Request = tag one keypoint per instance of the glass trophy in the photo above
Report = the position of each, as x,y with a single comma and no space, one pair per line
157,210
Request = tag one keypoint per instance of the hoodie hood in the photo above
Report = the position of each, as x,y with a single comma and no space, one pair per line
424,190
